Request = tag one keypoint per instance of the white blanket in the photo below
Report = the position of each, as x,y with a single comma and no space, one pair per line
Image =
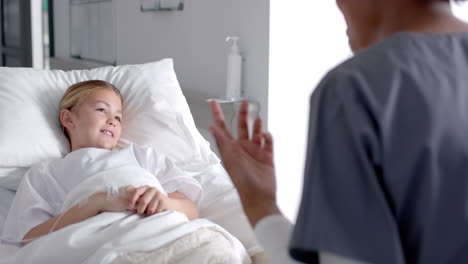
110,236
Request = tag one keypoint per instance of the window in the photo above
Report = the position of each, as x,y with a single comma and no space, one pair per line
92,30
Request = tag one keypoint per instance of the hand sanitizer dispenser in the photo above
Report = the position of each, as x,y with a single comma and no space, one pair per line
234,71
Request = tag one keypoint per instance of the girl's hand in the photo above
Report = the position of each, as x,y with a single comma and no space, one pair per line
149,200
122,203
249,162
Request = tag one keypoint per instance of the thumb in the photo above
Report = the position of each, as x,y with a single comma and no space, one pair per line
222,141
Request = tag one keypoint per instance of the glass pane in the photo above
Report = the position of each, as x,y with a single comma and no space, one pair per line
12,62
11,23
92,30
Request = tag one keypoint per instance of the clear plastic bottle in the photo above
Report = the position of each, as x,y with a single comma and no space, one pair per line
234,71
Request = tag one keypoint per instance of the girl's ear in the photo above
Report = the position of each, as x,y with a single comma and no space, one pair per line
66,118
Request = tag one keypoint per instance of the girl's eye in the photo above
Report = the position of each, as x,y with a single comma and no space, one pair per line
117,118
101,109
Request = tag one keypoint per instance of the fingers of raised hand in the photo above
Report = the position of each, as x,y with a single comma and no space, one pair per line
218,116
257,135
242,123
222,139
268,142
219,130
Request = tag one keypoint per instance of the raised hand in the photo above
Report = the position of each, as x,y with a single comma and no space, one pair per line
249,162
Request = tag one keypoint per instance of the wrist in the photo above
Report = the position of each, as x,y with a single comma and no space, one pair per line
185,206
257,210
98,201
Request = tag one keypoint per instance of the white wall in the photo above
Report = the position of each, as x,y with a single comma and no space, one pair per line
461,10
194,37
62,29
36,35
307,38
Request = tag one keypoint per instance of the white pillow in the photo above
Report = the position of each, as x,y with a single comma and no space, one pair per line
155,114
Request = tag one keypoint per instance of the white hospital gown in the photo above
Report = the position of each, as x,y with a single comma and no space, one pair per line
44,187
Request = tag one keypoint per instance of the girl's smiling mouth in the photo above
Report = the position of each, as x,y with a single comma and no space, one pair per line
107,132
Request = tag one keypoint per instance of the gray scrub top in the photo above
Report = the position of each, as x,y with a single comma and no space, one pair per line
386,177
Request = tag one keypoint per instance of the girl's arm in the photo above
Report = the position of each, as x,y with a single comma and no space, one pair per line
96,204
184,205
147,200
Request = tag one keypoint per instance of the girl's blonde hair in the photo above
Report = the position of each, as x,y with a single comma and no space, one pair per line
78,92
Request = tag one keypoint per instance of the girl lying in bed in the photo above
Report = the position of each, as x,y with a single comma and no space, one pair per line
91,115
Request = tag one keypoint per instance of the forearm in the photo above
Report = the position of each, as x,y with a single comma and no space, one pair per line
255,211
184,205
74,215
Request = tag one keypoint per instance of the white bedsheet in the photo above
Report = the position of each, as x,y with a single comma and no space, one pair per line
6,197
103,238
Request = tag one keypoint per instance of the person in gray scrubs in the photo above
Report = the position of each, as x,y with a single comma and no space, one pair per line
386,177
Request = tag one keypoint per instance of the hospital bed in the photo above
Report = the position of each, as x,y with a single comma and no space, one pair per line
156,114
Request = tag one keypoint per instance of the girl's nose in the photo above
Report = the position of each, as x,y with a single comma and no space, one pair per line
111,121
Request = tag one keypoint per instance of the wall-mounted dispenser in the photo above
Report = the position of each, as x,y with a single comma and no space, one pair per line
161,5
234,71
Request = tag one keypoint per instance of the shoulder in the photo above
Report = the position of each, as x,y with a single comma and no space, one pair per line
145,155
44,167
405,55
138,150
40,173
380,59
371,75
143,150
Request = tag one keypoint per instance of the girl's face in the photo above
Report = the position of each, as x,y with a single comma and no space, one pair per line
97,121
362,18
